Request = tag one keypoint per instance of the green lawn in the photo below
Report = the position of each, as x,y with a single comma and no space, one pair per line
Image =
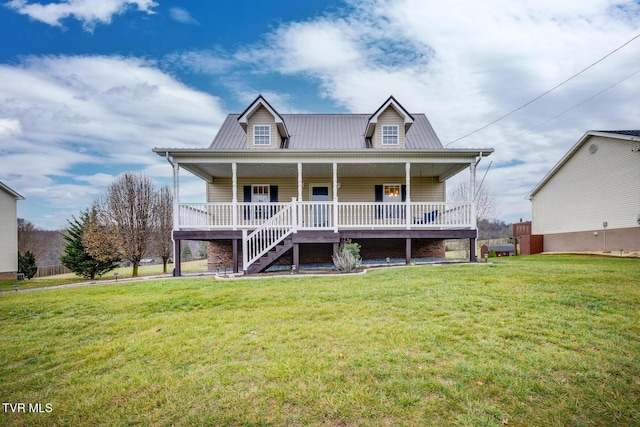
532,341
123,273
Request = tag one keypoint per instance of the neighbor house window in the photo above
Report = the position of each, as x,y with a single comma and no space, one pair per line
390,135
261,135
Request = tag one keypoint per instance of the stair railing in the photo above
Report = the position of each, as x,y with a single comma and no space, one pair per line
268,235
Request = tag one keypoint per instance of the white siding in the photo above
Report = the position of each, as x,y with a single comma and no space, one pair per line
262,116
591,188
351,189
8,233
388,117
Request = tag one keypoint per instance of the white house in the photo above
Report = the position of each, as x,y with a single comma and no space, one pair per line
590,200
8,232
295,185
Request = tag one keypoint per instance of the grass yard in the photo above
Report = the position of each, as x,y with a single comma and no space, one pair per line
533,341
123,273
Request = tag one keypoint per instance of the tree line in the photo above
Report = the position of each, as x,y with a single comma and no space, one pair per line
131,220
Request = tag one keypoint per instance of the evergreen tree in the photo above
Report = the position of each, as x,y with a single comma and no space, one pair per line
203,250
75,256
186,253
27,264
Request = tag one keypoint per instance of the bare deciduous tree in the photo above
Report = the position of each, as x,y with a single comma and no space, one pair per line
30,237
127,214
98,238
45,245
486,207
486,202
163,223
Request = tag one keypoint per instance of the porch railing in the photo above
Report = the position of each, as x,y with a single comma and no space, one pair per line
323,215
273,231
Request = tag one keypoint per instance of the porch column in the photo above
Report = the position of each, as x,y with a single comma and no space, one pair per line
472,250
472,194
234,194
335,197
176,216
407,250
234,248
296,256
408,215
299,206
300,181
176,259
176,197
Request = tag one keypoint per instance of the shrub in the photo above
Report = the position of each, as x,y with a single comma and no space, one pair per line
492,253
27,264
347,258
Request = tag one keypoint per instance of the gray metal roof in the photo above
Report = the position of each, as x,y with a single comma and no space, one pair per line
11,192
326,132
622,132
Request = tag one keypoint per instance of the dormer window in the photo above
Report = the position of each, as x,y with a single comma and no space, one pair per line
261,135
390,135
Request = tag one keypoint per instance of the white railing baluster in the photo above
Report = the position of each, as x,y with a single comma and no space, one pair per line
324,216
267,235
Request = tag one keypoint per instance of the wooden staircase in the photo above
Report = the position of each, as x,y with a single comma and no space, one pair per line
264,245
268,259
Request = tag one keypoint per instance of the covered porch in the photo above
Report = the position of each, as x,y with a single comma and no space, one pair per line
259,200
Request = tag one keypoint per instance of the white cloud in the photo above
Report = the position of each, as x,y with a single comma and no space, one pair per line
9,127
89,12
466,63
99,179
77,116
182,15
200,62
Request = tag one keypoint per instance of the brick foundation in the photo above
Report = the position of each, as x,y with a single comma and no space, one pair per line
220,251
5,276
313,253
427,248
395,248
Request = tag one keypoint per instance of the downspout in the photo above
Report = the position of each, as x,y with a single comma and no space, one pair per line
166,154
474,219
176,255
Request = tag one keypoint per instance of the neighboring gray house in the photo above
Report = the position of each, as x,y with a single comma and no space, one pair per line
590,200
290,187
8,232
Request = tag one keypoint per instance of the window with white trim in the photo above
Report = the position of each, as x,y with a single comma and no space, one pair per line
390,135
261,135
392,193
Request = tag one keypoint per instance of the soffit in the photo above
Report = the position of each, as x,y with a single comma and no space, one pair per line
275,170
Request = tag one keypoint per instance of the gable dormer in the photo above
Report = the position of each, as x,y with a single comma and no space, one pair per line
265,128
387,127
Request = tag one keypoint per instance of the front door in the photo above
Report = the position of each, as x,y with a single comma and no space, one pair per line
393,197
260,194
321,211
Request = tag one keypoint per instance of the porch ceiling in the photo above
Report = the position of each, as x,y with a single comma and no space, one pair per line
209,171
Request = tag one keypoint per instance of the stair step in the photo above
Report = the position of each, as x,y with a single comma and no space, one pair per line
268,259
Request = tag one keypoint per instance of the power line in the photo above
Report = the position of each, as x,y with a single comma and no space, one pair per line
544,93
584,101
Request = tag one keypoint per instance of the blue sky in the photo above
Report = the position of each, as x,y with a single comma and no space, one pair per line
89,87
